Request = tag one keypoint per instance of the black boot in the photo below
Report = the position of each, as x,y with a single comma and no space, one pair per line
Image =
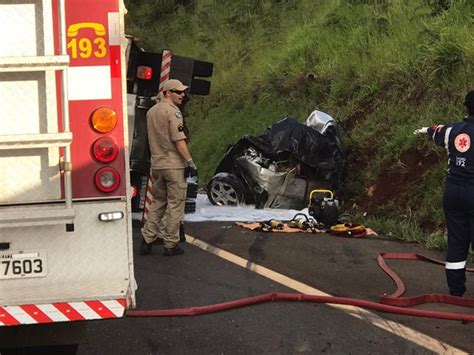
173,251
158,241
145,248
182,235
456,281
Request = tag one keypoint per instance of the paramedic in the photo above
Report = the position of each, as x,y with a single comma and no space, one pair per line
458,199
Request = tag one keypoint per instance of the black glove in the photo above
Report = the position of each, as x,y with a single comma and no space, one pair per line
191,169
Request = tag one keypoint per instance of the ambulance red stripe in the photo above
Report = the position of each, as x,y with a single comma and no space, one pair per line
50,313
99,308
67,310
6,318
37,314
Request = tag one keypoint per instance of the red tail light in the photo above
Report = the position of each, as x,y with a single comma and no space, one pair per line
105,149
134,191
144,72
107,179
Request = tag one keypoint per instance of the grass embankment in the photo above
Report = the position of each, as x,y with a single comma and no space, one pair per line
381,67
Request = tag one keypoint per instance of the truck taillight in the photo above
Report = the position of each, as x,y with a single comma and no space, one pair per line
105,149
104,119
144,73
107,179
134,191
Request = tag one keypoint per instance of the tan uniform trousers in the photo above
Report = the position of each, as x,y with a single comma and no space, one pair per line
167,208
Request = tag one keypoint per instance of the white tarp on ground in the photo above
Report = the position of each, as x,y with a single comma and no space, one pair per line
205,211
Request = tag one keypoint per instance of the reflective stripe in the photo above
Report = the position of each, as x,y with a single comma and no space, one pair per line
115,306
20,315
456,266
53,312
60,312
446,138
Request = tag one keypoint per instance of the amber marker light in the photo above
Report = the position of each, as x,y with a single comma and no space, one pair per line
104,119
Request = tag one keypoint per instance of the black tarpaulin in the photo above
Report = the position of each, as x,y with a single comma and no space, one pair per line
290,139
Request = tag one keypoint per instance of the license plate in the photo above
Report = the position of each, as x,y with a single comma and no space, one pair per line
23,264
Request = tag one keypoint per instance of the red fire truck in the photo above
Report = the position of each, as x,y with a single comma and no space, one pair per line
65,219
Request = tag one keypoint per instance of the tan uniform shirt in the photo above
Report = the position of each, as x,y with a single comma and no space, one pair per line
165,126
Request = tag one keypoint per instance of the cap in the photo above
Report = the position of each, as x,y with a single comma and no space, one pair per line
174,84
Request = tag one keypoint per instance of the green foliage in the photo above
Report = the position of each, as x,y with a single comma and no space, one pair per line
403,229
429,197
382,67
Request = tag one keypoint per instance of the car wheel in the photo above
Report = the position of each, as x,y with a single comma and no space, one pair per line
226,190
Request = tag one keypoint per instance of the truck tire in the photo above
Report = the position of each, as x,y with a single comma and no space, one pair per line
226,189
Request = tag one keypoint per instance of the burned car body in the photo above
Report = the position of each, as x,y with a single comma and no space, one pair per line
279,168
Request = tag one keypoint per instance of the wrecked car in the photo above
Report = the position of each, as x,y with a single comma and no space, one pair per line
280,168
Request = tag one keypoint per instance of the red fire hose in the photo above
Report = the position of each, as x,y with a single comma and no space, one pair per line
392,303
395,298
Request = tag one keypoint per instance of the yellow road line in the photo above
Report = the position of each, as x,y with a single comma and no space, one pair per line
385,324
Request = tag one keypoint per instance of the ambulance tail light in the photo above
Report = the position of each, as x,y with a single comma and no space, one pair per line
144,73
104,119
105,149
107,179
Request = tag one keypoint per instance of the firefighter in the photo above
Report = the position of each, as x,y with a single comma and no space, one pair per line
169,158
458,198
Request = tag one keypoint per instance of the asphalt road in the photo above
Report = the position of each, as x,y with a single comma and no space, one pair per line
338,266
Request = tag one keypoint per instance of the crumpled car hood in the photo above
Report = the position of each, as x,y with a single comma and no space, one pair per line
287,139
278,166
